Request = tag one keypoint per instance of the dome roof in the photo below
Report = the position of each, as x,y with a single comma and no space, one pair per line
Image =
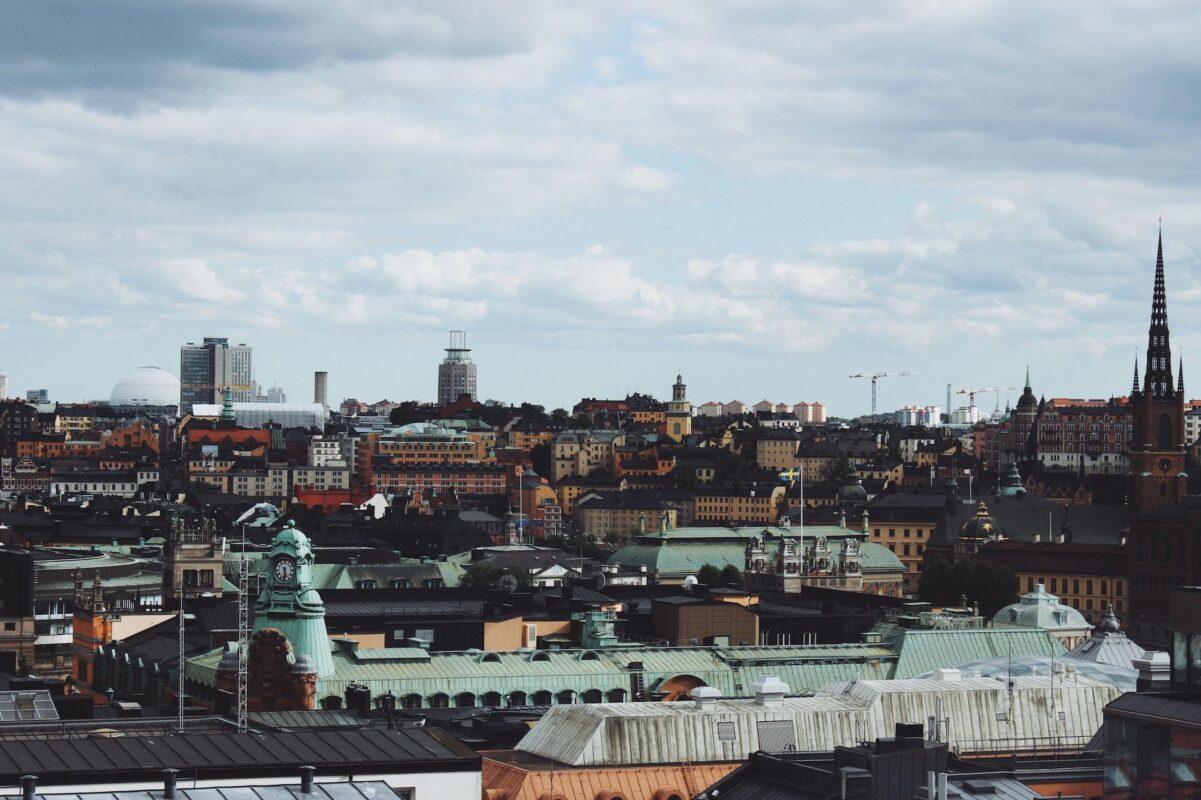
981,526
146,386
1011,484
1039,609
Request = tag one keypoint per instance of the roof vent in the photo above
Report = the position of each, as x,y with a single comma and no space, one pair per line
769,691
950,675
705,697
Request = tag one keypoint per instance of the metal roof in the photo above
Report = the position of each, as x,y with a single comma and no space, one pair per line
406,671
341,790
921,650
364,751
843,714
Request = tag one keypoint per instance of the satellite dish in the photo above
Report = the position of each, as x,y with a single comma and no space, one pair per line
598,579
508,582
690,581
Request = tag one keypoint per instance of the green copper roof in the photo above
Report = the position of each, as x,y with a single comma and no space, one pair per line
405,671
921,650
685,550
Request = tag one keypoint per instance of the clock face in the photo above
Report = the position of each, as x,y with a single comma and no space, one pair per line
1164,465
285,569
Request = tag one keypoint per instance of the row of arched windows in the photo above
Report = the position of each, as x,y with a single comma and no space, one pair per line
542,697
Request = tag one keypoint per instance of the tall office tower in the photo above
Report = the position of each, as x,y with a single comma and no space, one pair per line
456,373
36,396
3,386
206,369
320,384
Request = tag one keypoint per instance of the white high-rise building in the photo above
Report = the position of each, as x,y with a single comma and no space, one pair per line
3,386
456,373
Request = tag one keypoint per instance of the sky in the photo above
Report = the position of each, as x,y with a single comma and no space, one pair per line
763,196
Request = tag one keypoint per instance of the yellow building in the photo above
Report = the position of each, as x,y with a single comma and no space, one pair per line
679,412
739,506
777,450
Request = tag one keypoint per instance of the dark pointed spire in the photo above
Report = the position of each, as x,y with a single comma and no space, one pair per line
1134,390
1027,376
1158,380
1180,377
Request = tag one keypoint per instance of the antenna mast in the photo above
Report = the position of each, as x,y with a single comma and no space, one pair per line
243,633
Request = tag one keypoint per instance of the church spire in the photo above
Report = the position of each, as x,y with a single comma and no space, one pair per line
1027,376
1180,377
1134,390
1158,380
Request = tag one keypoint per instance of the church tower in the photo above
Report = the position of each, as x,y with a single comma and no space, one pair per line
679,411
1157,441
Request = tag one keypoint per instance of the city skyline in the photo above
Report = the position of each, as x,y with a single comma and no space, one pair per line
746,199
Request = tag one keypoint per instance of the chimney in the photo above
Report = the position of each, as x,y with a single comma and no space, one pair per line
942,786
169,783
769,691
951,675
705,697
29,785
320,383
306,779
1154,672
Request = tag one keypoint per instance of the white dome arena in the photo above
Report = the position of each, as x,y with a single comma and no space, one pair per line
146,386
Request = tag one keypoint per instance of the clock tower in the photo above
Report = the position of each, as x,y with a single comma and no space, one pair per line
1157,410
679,411
289,602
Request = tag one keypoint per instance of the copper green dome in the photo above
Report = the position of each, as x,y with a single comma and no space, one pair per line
1011,483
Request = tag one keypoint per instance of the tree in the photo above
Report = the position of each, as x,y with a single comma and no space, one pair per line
731,575
946,583
483,575
407,413
709,575
837,469
682,476
613,537
540,459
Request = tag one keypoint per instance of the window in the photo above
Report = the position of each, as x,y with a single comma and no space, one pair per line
542,697
565,697
516,699
439,700
465,700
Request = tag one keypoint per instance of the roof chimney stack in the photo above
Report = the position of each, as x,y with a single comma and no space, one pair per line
29,785
1154,672
169,783
769,691
705,697
306,779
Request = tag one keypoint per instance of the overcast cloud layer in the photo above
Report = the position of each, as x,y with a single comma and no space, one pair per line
764,196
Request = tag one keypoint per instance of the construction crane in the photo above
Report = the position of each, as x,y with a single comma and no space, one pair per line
971,394
875,376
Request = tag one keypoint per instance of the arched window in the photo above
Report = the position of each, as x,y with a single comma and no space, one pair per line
592,696
542,698
490,699
616,695
439,700
565,697
517,699
489,658
465,700
411,701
